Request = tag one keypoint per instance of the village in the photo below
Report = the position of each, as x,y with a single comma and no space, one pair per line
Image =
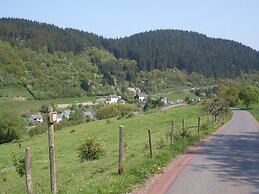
88,109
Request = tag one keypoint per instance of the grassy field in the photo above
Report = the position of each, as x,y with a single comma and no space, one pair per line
35,105
15,91
100,176
178,95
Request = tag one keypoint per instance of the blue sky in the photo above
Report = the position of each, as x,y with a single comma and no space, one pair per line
228,19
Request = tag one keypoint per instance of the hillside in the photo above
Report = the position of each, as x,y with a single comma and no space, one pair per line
160,49
35,35
57,75
188,51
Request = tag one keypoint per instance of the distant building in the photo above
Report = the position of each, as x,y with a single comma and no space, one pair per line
132,91
164,100
36,118
59,118
178,101
88,112
86,103
141,96
113,98
196,99
66,114
61,106
138,90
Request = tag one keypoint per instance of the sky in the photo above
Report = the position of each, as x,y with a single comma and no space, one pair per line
236,20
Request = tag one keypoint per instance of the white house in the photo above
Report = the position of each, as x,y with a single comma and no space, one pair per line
36,118
164,100
141,96
113,98
59,118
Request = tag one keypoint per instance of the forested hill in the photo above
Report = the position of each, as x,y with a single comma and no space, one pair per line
188,51
36,35
160,49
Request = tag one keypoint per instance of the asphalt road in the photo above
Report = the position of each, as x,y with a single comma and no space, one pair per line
227,164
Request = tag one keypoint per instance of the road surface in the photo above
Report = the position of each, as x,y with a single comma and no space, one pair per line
227,164
172,106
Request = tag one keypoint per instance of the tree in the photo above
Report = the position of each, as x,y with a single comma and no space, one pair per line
77,117
86,85
232,96
11,127
216,107
249,95
90,149
229,94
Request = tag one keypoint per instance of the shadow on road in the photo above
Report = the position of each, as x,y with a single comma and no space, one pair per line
233,158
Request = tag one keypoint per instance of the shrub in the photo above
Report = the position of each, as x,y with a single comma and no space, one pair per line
62,124
90,149
107,111
37,130
19,164
77,117
204,126
113,110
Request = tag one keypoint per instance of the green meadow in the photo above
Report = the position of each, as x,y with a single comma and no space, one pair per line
254,109
35,105
100,176
177,95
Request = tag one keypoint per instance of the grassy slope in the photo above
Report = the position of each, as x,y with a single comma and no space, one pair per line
255,111
98,176
35,105
178,95
15,91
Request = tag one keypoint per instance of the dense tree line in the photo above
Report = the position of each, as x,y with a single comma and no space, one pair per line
160,49
36,35
189,51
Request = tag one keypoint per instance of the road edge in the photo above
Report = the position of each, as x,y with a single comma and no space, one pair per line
169,173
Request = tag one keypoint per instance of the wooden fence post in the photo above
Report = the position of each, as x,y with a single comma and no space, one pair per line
172,133
121,150
199,124
53,185
150,142
183,127
28,176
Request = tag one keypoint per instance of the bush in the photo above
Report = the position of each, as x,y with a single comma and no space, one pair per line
113,110
204,126
62,124
37,130
11,127
19,164
77,117
90,149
